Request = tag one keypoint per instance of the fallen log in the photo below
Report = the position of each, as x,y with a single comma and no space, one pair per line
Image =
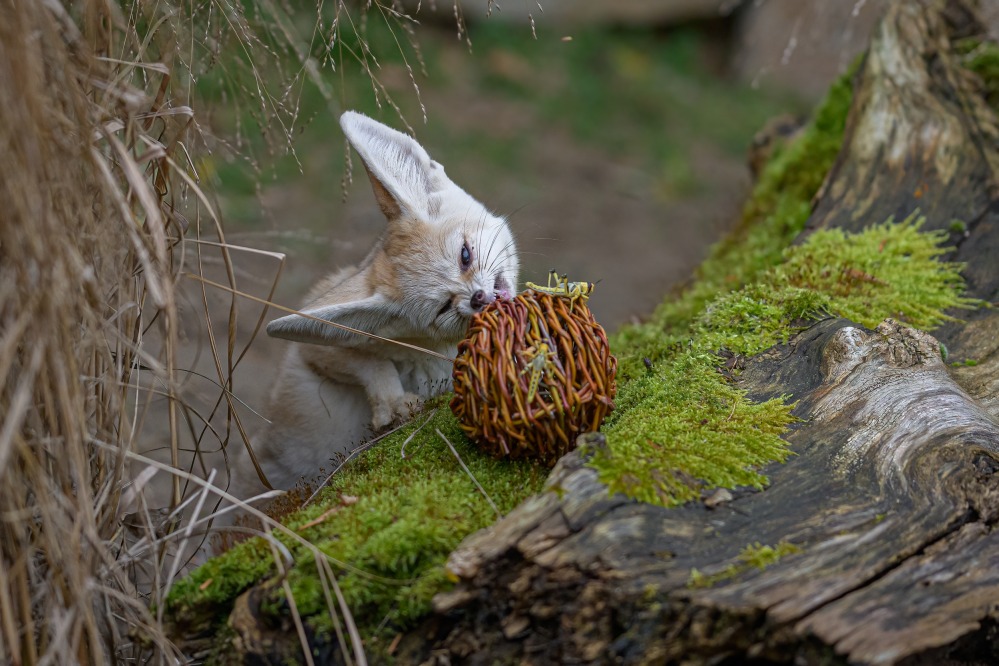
890,505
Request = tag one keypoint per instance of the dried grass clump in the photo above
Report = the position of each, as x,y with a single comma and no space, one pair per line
532,374
85,246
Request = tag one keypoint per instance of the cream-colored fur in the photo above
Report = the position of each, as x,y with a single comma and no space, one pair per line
442,257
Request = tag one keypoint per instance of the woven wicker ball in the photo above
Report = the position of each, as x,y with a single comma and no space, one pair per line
541,339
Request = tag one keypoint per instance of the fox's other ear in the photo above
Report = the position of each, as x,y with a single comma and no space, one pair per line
367,314
401,172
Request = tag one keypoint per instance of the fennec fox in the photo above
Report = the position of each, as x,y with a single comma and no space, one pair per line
442,258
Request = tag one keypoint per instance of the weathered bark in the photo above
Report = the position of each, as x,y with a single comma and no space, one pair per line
892,496
919,135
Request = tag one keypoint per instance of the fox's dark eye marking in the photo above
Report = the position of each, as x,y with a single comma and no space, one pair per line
466,257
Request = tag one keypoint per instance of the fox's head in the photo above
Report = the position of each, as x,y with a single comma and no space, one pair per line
442,258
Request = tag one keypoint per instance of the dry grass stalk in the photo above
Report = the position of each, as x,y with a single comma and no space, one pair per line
84,248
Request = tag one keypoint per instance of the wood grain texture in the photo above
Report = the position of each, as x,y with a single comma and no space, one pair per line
919,135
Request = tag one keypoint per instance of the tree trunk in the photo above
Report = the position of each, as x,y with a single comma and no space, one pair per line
892,498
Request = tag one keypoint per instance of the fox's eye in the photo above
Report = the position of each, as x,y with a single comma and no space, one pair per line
466,257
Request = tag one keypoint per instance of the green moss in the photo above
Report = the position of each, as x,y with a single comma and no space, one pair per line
887,270
754,556
761,557
775,213
757,316
682,427
982,58
388,548
200,598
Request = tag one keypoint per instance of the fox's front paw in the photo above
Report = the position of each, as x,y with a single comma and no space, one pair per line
386,412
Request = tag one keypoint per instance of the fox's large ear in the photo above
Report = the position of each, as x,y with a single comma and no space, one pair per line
401,172
369,314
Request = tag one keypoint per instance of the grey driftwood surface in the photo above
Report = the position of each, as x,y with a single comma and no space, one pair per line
892,494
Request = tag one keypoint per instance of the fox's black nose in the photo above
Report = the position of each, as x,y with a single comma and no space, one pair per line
480,299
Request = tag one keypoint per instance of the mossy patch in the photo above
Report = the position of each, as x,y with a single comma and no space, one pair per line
982,57
385,525
775,214
682,427
753,556
887,270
